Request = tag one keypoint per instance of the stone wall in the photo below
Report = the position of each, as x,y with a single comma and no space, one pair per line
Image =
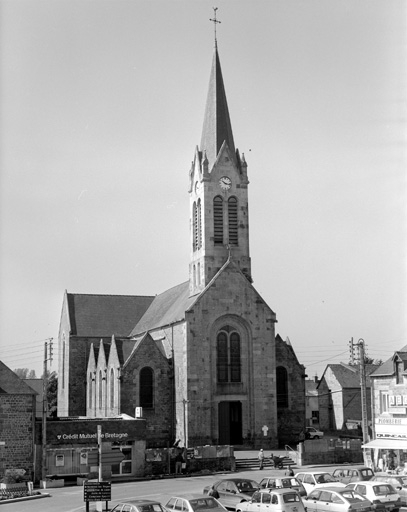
17,413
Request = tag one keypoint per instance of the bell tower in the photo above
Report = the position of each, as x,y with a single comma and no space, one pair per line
218,191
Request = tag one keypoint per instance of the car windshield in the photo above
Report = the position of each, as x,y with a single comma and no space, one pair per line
204,503
153,507
383,490
366,472
324,478
352,496
247,486
291,497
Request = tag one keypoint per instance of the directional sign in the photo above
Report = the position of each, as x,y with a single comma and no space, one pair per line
97,491
110,456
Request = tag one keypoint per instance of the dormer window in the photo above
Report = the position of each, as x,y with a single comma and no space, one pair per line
399,368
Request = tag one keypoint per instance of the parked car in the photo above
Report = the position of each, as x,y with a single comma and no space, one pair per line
379,493
139,506
337,499
313,433
273,500
233,491
399,482
352,474
283,483
193,502
315,479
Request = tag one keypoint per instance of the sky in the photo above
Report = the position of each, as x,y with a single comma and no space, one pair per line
102,107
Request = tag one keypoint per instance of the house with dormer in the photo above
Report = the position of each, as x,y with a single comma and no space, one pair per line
389,391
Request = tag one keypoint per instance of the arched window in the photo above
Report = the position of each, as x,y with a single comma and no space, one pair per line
90,390
100,390
232,221
218,220
112,388
282,387
146,388
198,273
228,355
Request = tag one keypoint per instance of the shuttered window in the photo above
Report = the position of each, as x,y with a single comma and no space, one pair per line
232,221
218,220
197,226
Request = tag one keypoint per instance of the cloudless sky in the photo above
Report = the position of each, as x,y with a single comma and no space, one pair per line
102,105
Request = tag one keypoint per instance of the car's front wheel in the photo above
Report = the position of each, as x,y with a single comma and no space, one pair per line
315,437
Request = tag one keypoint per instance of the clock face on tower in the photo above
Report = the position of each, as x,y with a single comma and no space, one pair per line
225,183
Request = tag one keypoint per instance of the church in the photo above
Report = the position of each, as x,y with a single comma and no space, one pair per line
201,362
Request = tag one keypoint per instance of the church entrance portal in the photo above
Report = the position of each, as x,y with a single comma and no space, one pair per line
230,422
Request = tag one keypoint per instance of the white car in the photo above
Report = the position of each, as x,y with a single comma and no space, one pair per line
313,433
378,493
273,500
314,479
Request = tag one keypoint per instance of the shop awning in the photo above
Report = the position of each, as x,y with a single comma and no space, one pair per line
387,444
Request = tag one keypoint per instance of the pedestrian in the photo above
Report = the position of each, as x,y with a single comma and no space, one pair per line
290,471
213,492
178,463
261,458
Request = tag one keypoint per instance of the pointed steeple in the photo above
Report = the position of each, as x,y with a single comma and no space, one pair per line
217,127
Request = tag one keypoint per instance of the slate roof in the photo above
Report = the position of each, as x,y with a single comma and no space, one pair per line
387,368
348,376
217,127
11,384
166,308
124,349
105,315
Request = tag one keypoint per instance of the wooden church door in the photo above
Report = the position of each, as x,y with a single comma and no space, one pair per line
230,422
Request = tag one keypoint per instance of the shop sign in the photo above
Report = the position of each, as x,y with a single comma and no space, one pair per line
395,435
398,400
391,421
85,432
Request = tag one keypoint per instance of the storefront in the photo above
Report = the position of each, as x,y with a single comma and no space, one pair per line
72,445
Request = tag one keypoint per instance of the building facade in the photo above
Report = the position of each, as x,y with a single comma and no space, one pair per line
200,360
389,392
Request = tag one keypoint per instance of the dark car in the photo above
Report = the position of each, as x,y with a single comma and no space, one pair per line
353,474
283,483
232,491
139,506
399,482
194,502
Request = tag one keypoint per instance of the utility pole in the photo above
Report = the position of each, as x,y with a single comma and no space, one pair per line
360,350
45,406
184,401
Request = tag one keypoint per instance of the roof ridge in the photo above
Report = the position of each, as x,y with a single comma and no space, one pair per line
107,295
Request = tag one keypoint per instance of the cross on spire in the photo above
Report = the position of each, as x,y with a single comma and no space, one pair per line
215,21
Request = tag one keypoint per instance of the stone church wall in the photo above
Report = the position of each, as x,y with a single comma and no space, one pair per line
158,418
232,300
291,419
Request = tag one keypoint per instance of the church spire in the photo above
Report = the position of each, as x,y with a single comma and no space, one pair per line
217,127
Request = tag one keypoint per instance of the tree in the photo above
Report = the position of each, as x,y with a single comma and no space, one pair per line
52,393
25,373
